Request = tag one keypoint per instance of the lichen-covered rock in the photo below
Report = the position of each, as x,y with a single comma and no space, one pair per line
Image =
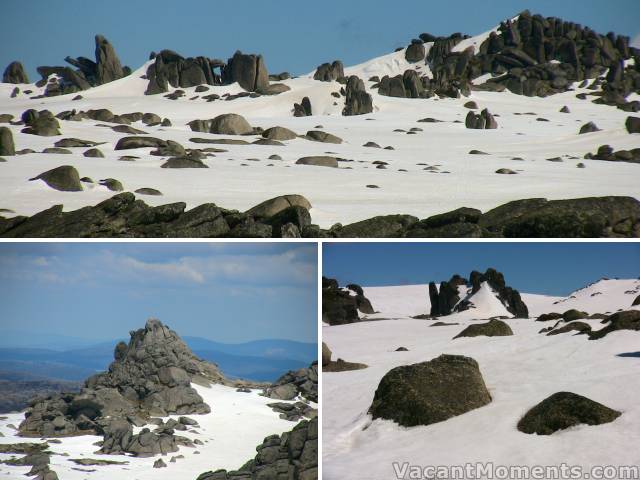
492,328
430,392
563,410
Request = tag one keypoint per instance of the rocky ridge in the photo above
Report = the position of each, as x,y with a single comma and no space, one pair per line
125,216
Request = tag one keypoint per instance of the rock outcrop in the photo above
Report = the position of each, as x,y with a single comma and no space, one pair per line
481,121
7,146
329,72
624,320
292,455
446,299
124,216
357,100
89,73
15,73
492,328
302,382
340,306
248,70
563,410
430,392
151,375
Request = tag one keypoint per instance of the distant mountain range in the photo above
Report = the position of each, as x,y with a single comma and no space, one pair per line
259,360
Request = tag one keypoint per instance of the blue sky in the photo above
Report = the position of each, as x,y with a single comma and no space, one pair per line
546,268
293,35
231,292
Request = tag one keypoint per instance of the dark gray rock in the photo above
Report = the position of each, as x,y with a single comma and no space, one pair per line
7,147
318,161
324,137
292,455
624,320
493,328
632,124
357,100
15,73
430,392
415,53
279,133
302,109
248,70
563,410
108,67
329,72
93,152
481,121
64,178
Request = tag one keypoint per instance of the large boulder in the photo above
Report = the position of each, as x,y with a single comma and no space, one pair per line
318,161
292,455
357,100
64,178
279,133
328,72
248,70
415,52
625,320
582,217
41,123
108,67
632,124
273,206
15,73
7,147
430,392
564,410
338,306
326,354
483,120
324,137
493,328
230,124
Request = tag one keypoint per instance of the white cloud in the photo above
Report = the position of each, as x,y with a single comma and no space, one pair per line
179,270
635,41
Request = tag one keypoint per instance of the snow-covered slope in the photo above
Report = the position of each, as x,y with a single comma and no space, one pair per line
238,422
337,195
603,296
519,371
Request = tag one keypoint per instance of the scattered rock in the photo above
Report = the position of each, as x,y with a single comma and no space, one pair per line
563,410
506,171
319,161
7,147
320,136
94,152
112,184
493,328
64,178
279,133
148,191
430,392
588,128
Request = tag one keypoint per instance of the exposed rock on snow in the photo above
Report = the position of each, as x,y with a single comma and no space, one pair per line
149,376
7,147
293,454
483,120
493,328
626,320
328,72
534,218
430,392
357,100
65,178
563,410
302,382
341,306
14,73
